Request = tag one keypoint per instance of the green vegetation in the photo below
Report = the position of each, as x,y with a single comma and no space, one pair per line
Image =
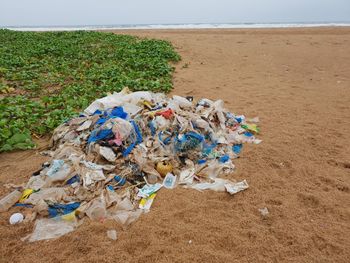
46,78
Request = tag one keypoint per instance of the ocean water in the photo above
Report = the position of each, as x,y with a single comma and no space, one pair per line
179,26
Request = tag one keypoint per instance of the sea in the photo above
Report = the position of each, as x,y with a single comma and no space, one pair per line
176,26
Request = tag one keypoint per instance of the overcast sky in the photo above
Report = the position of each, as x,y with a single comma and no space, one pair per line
114,12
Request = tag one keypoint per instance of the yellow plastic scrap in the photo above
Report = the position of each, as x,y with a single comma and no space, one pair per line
146,203
147,104
26,193
69,217
251,127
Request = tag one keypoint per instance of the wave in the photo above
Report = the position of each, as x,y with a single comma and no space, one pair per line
177,26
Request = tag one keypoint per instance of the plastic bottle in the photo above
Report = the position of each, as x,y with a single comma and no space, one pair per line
9,200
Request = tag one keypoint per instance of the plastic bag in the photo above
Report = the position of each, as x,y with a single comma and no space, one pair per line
93,176
97,210
125,204
108,154
58,171
234,188
217,185
182,102
50,228
186,176
9,200
54,195
125,218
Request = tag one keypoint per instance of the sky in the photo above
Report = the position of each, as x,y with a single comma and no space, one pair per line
122,12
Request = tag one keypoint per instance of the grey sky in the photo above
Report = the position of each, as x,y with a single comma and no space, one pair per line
109,12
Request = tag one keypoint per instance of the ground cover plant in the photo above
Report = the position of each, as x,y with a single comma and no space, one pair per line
48,77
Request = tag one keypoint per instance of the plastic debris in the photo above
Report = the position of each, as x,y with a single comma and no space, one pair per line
62,209
217,185
234,188
97,211
26,193
264,211
111,161
108,154
187,176
237,148
50,228
147,190
112,234
169,181
16,218
9,200
146,203
163,168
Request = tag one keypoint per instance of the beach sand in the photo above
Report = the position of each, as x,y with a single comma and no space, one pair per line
298,82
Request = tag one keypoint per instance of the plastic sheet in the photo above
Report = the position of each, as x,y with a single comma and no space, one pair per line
50,228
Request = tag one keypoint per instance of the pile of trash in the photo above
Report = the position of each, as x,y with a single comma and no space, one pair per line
110,162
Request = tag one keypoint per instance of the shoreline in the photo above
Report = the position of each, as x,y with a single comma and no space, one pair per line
181,26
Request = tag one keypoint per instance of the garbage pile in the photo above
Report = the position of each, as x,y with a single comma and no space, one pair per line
109,162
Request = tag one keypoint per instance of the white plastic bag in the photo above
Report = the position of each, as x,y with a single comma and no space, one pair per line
234,188
107,153
50,228
217,185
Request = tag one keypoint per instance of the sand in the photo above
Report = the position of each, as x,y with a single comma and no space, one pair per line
297,81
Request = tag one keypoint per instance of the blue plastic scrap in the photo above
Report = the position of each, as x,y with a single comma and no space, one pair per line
152,128
208,148
248,134
23,205
128,150
237,148
101,121
166,139
238,119
62,209
201,161
118,112
224,158
110,188
188,141
97,135
137,131
97,112
120,180
74,179
137,141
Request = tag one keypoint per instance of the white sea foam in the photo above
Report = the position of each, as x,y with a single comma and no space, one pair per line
179,26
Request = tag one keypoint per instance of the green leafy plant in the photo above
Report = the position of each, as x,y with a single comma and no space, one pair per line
48,77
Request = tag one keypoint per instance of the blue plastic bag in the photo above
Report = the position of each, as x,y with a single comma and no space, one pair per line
100,135
62,209
118,112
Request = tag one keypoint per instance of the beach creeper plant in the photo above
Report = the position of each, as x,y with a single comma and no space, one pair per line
48,77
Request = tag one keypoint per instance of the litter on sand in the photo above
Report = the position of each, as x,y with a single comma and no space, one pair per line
112,160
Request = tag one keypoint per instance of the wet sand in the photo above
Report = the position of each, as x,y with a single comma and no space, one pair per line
298,82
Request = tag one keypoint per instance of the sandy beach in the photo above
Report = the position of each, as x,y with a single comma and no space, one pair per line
298,82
